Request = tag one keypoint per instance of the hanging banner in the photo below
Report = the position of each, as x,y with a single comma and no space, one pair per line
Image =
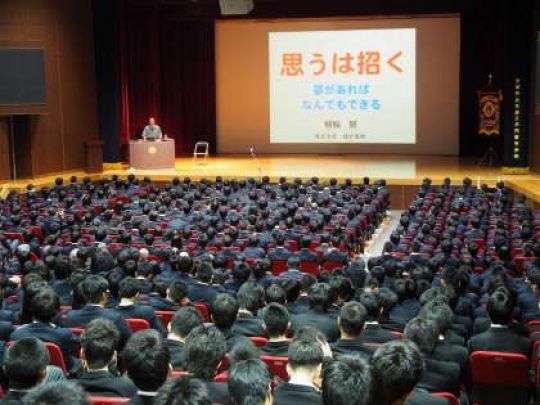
489,110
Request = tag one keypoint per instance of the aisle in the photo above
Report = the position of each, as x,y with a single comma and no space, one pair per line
382,235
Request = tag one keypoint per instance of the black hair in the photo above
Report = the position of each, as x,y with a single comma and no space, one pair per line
303,353
224,309
422,332
249,382
178,290
440,313
500,307
319,297
184,320
62,392
396,368
92,288
99,342
146,360
25,362
292,289
128,288
404,289
276,319
250,296
183,391
204,349
45,305
275,293
352,318
346,381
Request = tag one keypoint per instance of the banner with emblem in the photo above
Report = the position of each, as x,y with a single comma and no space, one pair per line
489,110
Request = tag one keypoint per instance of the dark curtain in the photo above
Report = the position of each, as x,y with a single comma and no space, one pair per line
166,71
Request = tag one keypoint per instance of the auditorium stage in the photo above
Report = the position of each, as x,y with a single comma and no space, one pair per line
401,172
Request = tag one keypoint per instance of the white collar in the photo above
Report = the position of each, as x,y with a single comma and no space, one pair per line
146,393
498,326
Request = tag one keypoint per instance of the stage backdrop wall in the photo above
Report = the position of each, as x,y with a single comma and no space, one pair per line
242,84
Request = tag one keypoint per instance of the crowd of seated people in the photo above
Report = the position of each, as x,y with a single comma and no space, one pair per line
256,293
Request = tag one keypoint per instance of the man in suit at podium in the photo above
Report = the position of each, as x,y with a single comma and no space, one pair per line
152,132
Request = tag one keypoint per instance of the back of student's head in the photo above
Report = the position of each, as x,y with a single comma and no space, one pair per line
404,289
25,363
61,392
183,391
275,293
146,360
304,354
352,318
346,381
251,296
184,320
276,319
224,310
128,288
319,297
243,349
203,351
99,343
423,333
396,368
500,308
93,288
45,305
439,313
178,291
249,383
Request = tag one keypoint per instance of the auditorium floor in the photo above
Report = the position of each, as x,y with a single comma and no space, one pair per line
398,170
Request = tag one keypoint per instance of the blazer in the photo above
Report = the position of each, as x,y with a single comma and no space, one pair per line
276,349
421,397
82,317
375,333
248,325
321,320
145,312
501,339
219,392
293,394
202,292
176,350
440,376
104,384
342,346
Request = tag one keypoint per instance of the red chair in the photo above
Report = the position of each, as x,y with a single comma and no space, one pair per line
14,235
520,260
330,266
397,335
258,340
310,267
107,400
451,398
165,317
203,311
499,378
277,366
278,267
221,378
136,325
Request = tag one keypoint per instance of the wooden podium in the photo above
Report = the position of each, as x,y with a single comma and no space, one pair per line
151,155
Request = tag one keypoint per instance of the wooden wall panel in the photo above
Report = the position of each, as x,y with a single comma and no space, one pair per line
63,28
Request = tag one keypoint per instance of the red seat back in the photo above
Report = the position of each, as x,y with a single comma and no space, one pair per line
177,373
277,366
258,340
451,398
165,317
107,400
503,369
203,310
331,266
56,358
310,267
278,267
136,325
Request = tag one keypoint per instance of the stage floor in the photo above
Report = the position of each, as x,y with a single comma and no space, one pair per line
398,170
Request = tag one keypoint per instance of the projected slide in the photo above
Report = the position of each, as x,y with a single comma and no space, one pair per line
354,86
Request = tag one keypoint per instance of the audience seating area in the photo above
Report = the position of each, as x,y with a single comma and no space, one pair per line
123,290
